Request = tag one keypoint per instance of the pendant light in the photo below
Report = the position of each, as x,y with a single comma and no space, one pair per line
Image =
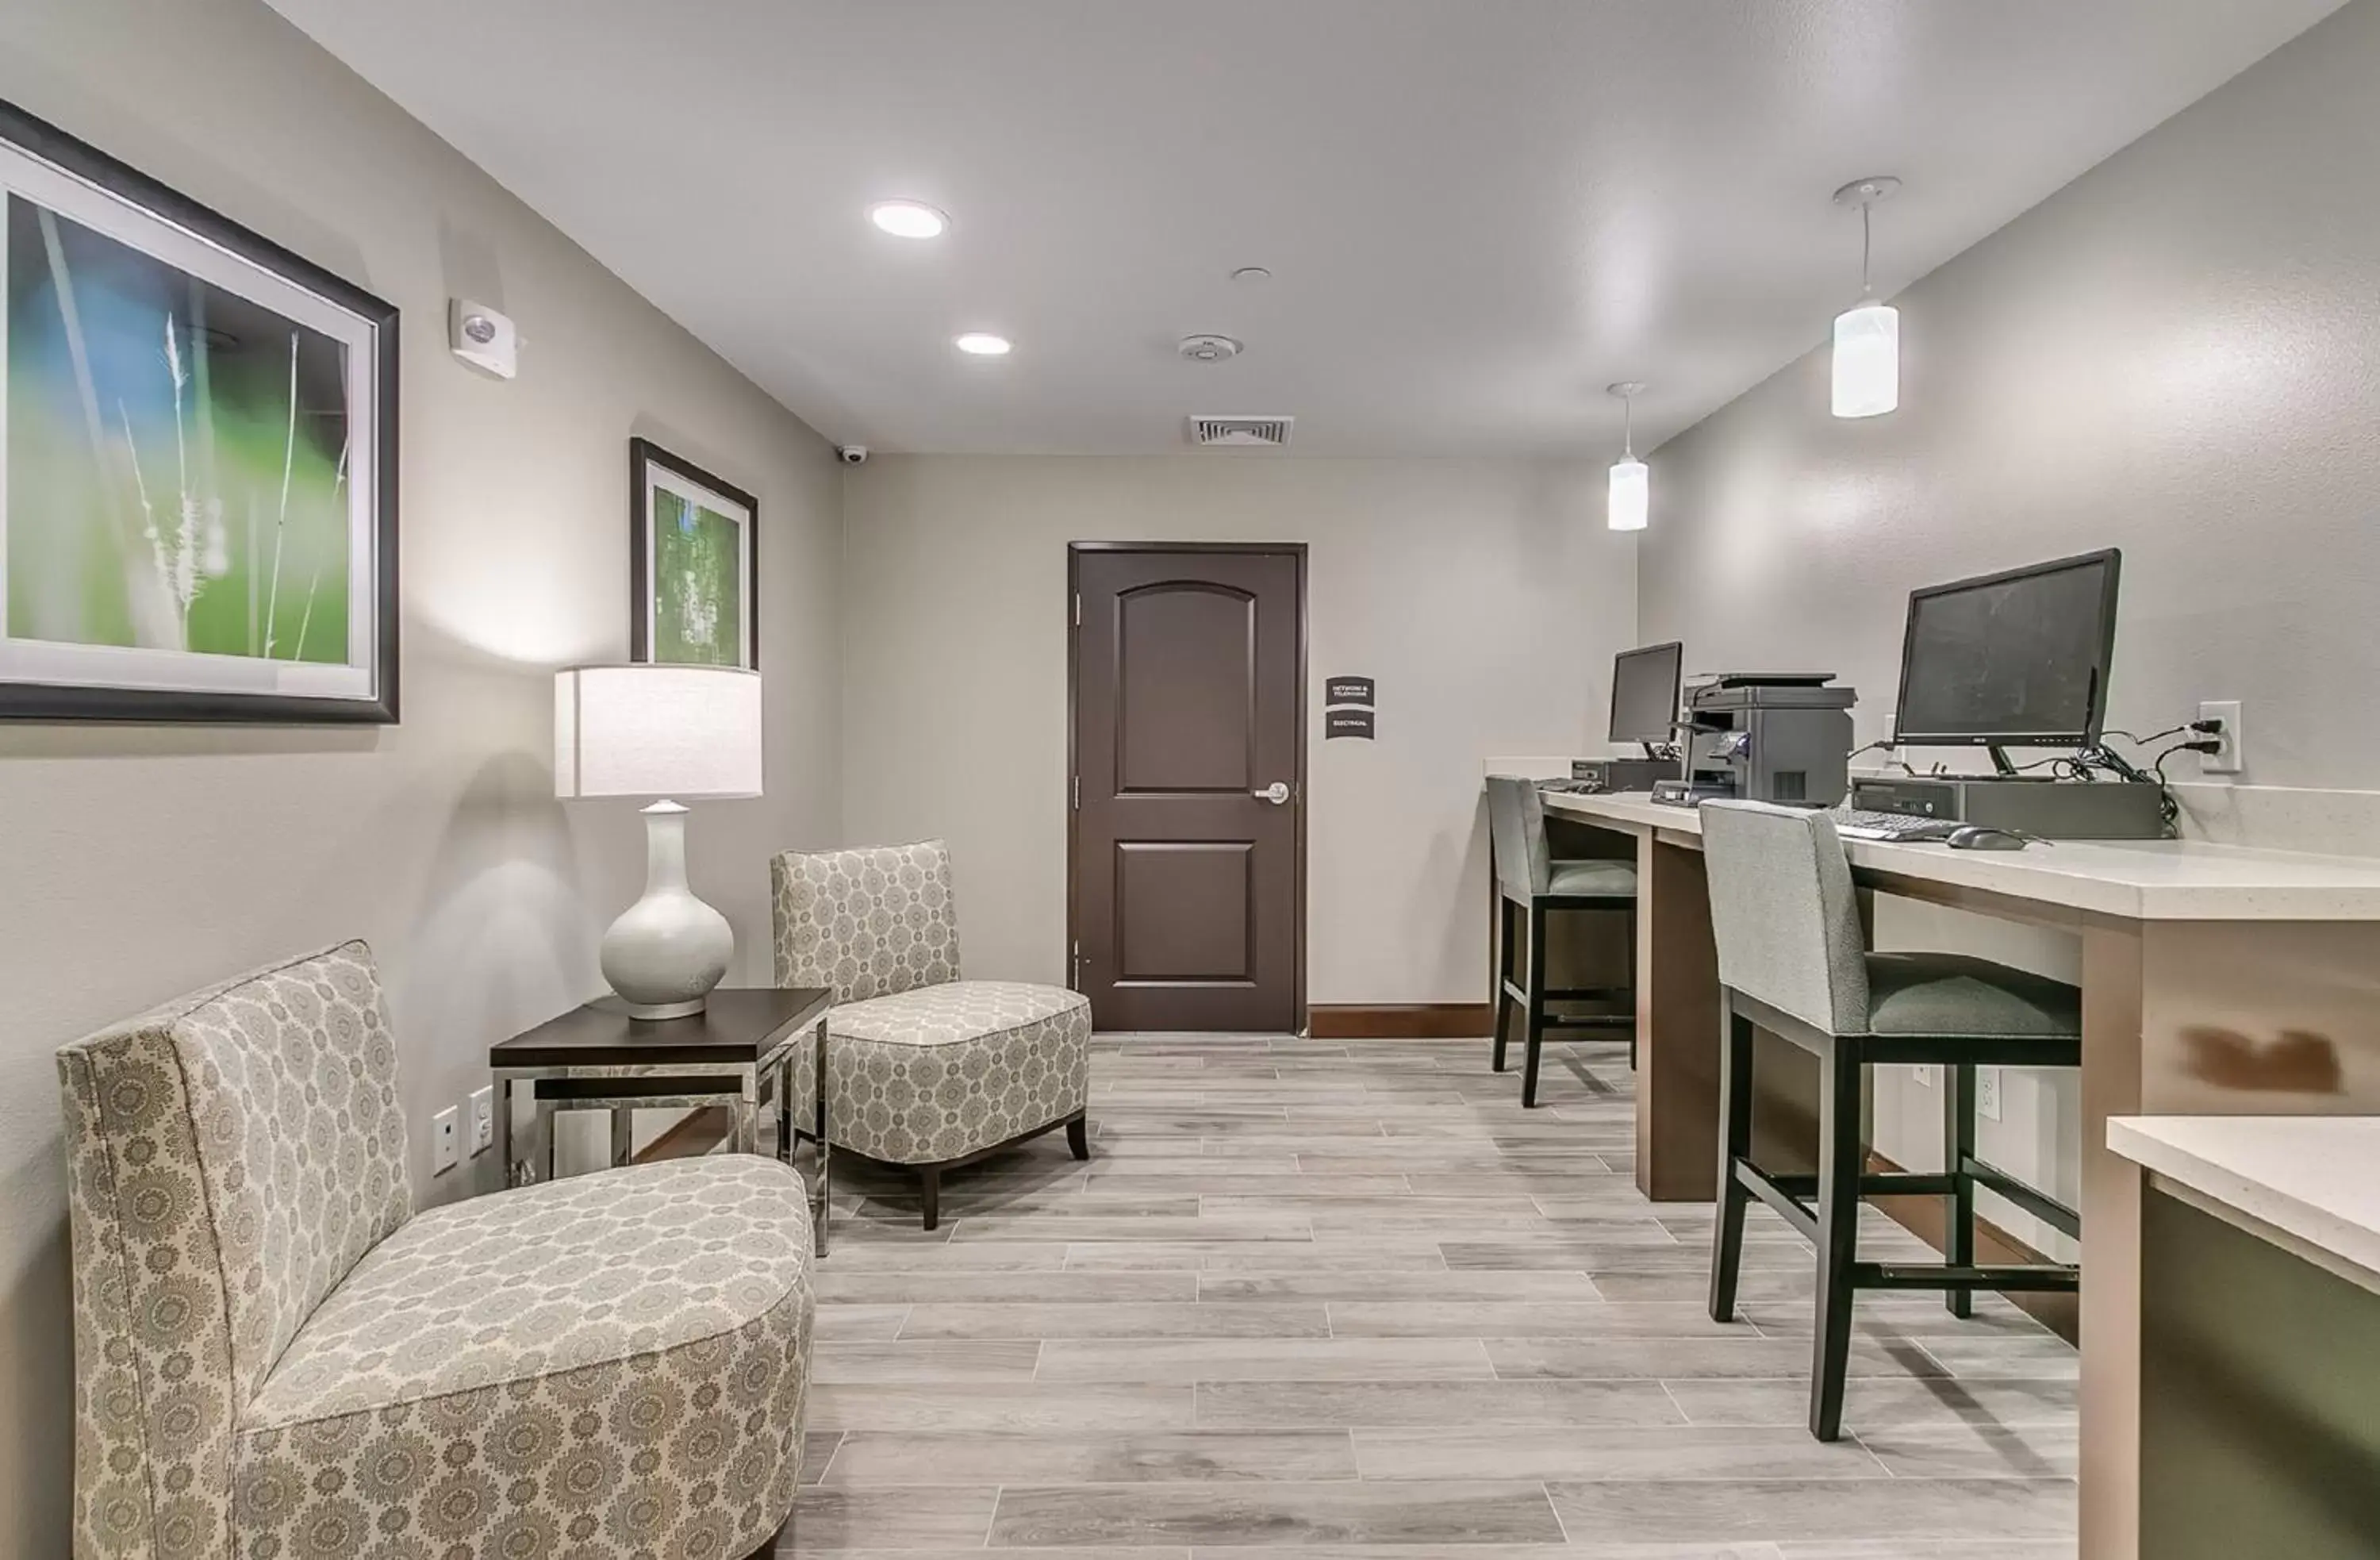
1868,335
1631,481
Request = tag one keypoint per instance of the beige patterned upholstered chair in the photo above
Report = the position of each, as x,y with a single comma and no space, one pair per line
277,1357
924,1070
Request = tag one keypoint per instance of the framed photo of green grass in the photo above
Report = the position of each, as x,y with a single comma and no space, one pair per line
693,547
198,458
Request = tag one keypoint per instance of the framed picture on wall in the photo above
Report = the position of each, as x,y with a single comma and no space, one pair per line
693,547
198,458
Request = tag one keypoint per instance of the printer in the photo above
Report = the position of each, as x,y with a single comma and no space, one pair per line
1779,737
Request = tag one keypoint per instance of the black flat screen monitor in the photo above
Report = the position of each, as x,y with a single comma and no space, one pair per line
2017,659
1645,693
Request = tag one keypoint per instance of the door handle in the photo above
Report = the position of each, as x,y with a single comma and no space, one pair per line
1277,793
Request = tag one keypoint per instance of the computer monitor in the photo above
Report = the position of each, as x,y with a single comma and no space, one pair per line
2017,659
1645,693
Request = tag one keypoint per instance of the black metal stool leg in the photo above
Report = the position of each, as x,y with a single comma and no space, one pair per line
1839,1155
1503,976
1631,935
1734,1146
1958,1147
1537,1007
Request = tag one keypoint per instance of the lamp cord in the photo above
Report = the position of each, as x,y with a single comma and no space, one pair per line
1867,288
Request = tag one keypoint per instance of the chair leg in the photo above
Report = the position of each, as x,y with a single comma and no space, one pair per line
1839,1155
1503,975
1078,1136
1537,1008
1631,942
1958,1147
1735,1147
929,1192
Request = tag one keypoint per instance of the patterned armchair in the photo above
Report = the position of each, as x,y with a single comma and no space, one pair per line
924,1070
277,1357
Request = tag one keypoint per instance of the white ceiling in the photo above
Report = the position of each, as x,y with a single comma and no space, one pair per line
1477,213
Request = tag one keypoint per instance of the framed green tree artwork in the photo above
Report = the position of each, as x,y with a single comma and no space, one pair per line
198,458
692,544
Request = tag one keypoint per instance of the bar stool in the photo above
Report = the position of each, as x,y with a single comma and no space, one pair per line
1793,960
1529,886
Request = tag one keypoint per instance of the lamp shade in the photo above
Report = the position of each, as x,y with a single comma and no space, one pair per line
1867,360
656,731
1632,495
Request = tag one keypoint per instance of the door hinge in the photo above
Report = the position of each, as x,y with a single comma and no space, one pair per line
1076,983
1078,793
1078,609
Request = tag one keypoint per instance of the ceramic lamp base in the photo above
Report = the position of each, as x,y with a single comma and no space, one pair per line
669,948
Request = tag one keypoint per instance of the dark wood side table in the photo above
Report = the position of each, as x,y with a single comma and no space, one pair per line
597,1057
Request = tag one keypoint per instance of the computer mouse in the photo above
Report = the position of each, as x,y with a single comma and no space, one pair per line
1983,837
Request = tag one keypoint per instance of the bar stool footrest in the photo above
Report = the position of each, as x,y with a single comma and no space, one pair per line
1943,1276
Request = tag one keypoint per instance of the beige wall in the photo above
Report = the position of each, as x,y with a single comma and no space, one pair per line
2179,355
1486,597
136,864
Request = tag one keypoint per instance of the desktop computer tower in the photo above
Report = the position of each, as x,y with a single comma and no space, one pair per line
1609,776
2049,809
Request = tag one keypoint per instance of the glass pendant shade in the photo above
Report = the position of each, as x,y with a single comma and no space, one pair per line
1632,495
1867,360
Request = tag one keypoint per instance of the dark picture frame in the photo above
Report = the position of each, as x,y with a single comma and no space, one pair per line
58,189
654,632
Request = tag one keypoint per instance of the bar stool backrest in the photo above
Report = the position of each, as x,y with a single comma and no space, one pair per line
1783,913
1516,833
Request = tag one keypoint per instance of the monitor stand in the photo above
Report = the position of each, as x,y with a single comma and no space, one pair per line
2000,765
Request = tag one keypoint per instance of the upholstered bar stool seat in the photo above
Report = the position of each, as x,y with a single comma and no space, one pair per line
1615,879
1920,994
1793,960
924,1070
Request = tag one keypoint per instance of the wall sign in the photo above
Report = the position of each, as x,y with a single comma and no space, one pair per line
1347,723
1347,690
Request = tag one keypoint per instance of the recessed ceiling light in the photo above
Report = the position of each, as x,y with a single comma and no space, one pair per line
983,344
908,219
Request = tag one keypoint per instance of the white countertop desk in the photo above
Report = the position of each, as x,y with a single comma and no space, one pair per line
2259,1336
2217,980
2309,1187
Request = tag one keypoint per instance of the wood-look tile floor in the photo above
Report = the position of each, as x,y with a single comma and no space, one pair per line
1349,1301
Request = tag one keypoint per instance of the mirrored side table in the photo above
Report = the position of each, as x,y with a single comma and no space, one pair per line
739,1050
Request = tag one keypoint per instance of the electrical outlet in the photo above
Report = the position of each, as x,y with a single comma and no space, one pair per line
441,1141
1924,1072
1987,1093
484,1119
2228,760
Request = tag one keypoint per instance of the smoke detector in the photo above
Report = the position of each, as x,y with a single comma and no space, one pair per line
1265,432
1209,348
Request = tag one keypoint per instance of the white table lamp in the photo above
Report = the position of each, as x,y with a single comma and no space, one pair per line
662,732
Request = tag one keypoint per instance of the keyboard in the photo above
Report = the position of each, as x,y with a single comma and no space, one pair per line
1854,823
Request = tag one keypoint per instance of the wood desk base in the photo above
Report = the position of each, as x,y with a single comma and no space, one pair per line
2229,1014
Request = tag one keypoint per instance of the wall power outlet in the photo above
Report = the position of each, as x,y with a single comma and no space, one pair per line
2228,762
483,1118
1987,1093
443,1155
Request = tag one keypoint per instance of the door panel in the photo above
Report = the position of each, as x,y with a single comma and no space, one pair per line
1185,911
1185,654
1188,673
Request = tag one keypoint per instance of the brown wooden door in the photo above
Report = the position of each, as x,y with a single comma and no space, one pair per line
1188,669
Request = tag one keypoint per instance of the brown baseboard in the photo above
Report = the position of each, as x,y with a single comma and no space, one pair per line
1399,1021
1925,1218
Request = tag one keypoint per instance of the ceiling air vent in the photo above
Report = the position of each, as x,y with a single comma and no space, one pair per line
1270,432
